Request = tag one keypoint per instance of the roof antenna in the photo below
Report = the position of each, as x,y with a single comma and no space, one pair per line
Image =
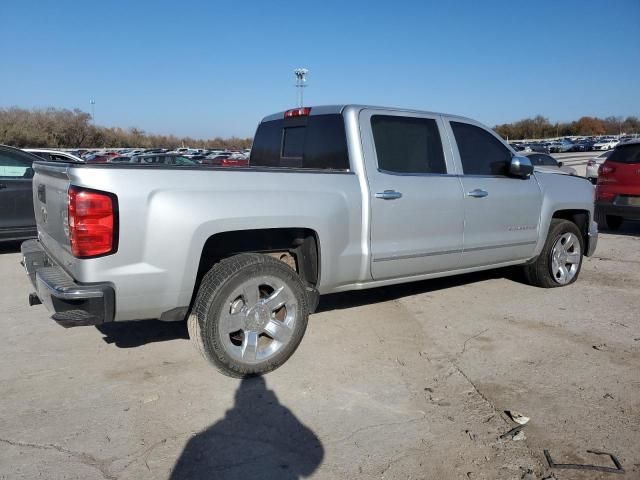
301,82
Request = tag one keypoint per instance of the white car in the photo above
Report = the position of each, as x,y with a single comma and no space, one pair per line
606,144
53,155
594,164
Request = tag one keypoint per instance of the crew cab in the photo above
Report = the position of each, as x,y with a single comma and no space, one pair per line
335,198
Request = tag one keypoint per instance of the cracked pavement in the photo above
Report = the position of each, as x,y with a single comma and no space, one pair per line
401,382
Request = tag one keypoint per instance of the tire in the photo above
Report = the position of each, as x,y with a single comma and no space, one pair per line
245,291
544,271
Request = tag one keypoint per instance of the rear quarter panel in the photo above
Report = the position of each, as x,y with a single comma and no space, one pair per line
167,215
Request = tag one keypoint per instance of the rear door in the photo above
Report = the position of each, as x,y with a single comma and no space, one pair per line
415,195
16,201
501,213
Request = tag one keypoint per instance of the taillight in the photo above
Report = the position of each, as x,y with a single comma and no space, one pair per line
606,169
92,222
604,196
298,112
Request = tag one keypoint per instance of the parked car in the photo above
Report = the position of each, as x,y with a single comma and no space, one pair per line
17,221
606,144
214,159
226,160
520,147
582,146
337,198
100,157
594,164
618,188
53,155
560,146
120,159
546,163
540,147
162,159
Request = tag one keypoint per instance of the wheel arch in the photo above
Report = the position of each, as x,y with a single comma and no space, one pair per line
297,247
580,218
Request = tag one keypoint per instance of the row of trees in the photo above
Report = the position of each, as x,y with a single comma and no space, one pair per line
61,128
541,127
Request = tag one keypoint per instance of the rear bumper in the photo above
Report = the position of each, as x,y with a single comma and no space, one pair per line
71,304
624,211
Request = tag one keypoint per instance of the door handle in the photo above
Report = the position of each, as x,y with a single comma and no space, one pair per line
478,193
2,185
388,195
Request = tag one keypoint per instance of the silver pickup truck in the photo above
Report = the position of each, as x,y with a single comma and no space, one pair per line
335,198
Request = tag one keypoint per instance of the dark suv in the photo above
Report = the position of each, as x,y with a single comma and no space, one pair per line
17,220
618,189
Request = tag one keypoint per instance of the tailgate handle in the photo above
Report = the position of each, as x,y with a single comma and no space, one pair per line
42,193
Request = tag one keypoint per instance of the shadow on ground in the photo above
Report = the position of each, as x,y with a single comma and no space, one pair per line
258,438
142,332
357,298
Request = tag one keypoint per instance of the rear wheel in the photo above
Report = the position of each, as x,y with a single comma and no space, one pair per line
560,261
250,315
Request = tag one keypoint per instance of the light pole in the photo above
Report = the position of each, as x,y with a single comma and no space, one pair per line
301,80
93,111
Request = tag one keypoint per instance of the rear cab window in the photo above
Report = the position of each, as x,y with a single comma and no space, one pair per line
315,142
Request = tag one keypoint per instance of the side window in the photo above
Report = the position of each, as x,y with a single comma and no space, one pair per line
407,144
480,152
12,166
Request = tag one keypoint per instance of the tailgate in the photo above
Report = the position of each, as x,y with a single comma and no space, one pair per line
50,202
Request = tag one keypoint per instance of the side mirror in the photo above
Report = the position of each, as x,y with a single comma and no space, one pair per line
520,167
559,164
29,173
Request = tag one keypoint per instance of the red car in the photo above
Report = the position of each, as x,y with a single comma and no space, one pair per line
226,161
101,157
618,189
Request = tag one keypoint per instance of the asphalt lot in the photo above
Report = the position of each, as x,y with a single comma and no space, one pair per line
395,383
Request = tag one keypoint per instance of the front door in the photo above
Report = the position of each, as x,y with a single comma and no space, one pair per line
415,197
502,213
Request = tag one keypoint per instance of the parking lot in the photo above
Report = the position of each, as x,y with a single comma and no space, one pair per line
408,381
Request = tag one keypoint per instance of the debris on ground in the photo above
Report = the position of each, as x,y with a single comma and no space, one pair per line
517,417
576,466
511,433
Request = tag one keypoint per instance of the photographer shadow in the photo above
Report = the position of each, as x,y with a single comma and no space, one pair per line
258,438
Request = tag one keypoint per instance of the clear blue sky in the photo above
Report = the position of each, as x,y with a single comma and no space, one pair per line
207,68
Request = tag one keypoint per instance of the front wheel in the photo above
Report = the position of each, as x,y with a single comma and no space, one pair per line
250,315
560,261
